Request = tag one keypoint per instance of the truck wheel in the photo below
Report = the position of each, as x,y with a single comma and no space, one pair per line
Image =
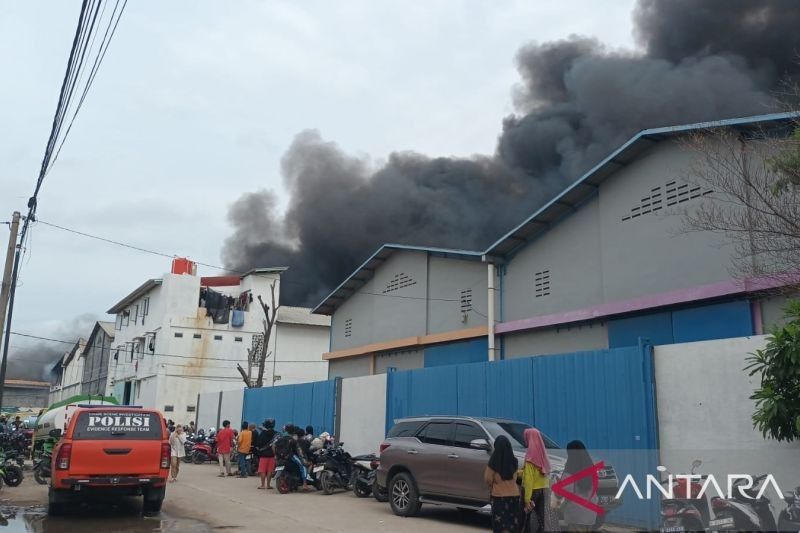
56,503
153,498
403,495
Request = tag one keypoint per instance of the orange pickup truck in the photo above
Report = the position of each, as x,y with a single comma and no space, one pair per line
113,451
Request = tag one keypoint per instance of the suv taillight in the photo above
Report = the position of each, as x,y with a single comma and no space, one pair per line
165,453
62,460
383,447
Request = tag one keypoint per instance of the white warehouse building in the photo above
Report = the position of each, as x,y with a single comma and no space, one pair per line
183,335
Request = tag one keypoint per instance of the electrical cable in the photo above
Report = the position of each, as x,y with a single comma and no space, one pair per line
72,343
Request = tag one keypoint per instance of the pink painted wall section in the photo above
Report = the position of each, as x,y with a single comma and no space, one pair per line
651,301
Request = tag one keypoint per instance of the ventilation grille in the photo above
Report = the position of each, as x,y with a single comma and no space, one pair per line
257,345
542,281
466,300
400,281
671,194
348,327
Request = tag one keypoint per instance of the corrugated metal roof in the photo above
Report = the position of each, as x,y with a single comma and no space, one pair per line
367,269
587,185
566,202
301,315
143,289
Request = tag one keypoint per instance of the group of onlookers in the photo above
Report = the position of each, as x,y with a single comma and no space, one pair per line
520,494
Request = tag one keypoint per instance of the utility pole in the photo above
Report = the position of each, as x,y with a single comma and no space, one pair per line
5,293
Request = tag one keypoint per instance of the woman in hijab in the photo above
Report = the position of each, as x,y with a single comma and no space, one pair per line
579,518
501,477
535,478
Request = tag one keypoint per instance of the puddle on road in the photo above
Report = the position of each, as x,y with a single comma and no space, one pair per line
111,519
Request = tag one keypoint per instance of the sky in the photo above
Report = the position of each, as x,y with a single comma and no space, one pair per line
197,101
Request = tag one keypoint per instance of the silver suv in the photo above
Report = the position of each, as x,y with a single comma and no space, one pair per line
441,459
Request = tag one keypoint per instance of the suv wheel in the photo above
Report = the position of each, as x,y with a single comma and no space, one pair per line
403,495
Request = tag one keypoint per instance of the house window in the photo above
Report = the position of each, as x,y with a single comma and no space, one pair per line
126,317
197,336
348,327
191,408
135,313
179,335
399,281
542,283
237,339
217,337
466,300
169,408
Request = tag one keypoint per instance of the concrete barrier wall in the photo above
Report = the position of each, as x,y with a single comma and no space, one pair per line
207,410
704,412
231,408
363,413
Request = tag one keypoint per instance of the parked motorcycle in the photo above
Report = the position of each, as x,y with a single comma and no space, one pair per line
789,518
41,467
288,477
744,511
11,472
688,510
16,457
337,470
364,474
204,451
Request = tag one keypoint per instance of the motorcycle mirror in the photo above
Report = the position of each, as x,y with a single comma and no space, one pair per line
695,464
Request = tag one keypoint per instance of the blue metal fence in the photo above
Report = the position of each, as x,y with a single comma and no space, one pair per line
605,398
304,404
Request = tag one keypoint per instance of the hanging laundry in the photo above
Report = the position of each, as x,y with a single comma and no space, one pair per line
218,306
237,318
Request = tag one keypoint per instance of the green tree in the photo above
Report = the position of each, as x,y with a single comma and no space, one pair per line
777,400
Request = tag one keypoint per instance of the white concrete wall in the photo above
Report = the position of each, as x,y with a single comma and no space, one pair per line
298,354
207,410
704,412
363,416
186,366
231,408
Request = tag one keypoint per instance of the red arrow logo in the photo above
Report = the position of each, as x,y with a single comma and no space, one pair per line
560,490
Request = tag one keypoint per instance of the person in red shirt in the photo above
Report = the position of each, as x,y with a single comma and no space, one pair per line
224,448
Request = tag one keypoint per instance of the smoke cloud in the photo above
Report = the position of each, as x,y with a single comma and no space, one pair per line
33,359
577,101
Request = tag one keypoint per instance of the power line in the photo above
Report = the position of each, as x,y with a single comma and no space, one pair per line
72,343
234,271
82,42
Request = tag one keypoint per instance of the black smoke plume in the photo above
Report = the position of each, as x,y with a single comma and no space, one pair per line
33,359
577,102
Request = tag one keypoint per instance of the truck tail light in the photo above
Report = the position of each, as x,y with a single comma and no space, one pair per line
62,459
165,453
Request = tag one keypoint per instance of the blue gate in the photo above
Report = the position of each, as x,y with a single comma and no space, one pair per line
605,398
303,404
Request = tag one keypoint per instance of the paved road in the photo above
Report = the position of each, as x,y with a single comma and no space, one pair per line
236,503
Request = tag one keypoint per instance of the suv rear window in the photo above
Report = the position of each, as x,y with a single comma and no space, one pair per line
124,425
404,429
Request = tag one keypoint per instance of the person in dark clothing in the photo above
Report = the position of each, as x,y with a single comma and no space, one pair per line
501,477
266,453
